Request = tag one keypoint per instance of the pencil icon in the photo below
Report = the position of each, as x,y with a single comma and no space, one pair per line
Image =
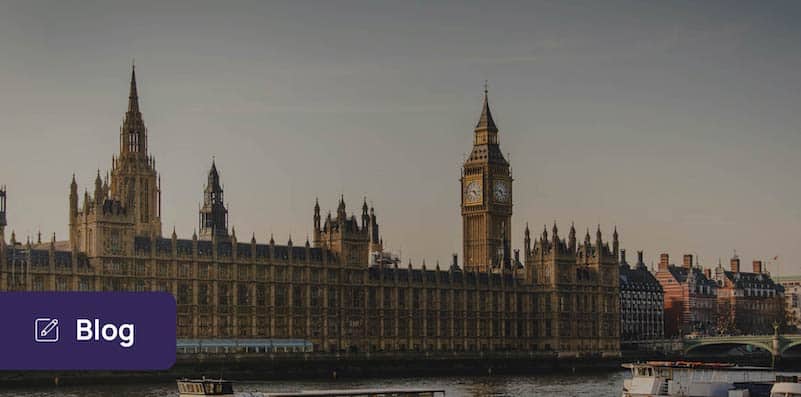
46,330
49,327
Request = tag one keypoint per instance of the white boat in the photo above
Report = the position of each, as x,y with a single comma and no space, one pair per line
363,393
205,387
786,386
695,379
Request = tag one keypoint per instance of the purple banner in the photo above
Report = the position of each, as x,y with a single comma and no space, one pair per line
87,330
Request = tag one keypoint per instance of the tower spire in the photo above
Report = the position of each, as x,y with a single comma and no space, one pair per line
133,135
485,121
213,216
133,95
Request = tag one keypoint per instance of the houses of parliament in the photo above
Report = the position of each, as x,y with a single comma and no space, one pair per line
340,291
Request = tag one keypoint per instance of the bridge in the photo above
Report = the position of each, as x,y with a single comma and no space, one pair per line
777,345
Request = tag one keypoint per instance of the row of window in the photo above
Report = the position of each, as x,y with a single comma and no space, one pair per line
314,327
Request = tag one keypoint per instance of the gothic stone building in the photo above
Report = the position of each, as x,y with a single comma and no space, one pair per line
329,291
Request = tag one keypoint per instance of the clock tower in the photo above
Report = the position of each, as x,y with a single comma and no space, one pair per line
486,196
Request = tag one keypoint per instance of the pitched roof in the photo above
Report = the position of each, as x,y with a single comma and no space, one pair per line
752,280
485,121
638,279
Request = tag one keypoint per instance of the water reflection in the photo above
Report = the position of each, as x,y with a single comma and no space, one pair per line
557,385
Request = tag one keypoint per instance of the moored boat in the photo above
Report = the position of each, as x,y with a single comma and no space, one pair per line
786,386
697,379
205,387
413,392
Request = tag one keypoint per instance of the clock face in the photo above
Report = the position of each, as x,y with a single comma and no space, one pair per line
501,191
472,193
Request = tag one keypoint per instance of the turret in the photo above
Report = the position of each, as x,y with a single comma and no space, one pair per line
640,263
365,215
598,239
134,180
98,196
86,201
317,222
374,233
133,135
571,244
527,240
3,219
615,242
349,238
213,215
342,216
623,259
316,214
73,200
106,188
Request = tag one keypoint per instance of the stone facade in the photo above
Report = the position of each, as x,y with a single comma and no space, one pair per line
579,287
486,199
329,291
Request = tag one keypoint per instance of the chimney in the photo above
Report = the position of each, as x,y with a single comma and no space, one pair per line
623,258
455,264
688,261
757,266
735,264
664,261
708,273
517,257
640,263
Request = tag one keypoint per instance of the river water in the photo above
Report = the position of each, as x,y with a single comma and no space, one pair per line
558,385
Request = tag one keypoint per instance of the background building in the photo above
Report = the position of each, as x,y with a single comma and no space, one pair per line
792,301
726,302
690,297
642,302
748,302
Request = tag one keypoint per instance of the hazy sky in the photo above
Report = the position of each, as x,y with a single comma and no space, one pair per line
680,122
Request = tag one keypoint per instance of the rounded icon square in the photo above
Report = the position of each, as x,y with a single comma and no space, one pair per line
45,330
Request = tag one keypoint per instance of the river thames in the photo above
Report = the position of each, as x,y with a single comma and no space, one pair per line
557,385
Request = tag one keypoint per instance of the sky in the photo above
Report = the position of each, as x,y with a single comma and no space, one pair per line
677,121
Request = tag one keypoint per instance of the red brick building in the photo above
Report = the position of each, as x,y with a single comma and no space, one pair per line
690,297
748,302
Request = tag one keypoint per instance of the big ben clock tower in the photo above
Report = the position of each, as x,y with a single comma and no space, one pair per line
486,199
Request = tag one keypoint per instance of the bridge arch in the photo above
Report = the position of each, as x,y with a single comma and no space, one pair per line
764,345
791,345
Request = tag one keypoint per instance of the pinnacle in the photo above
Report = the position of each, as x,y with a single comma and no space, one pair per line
485,122
133,94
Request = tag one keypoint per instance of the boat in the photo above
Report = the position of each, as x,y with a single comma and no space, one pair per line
786,386
205,387
363,393
697,379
